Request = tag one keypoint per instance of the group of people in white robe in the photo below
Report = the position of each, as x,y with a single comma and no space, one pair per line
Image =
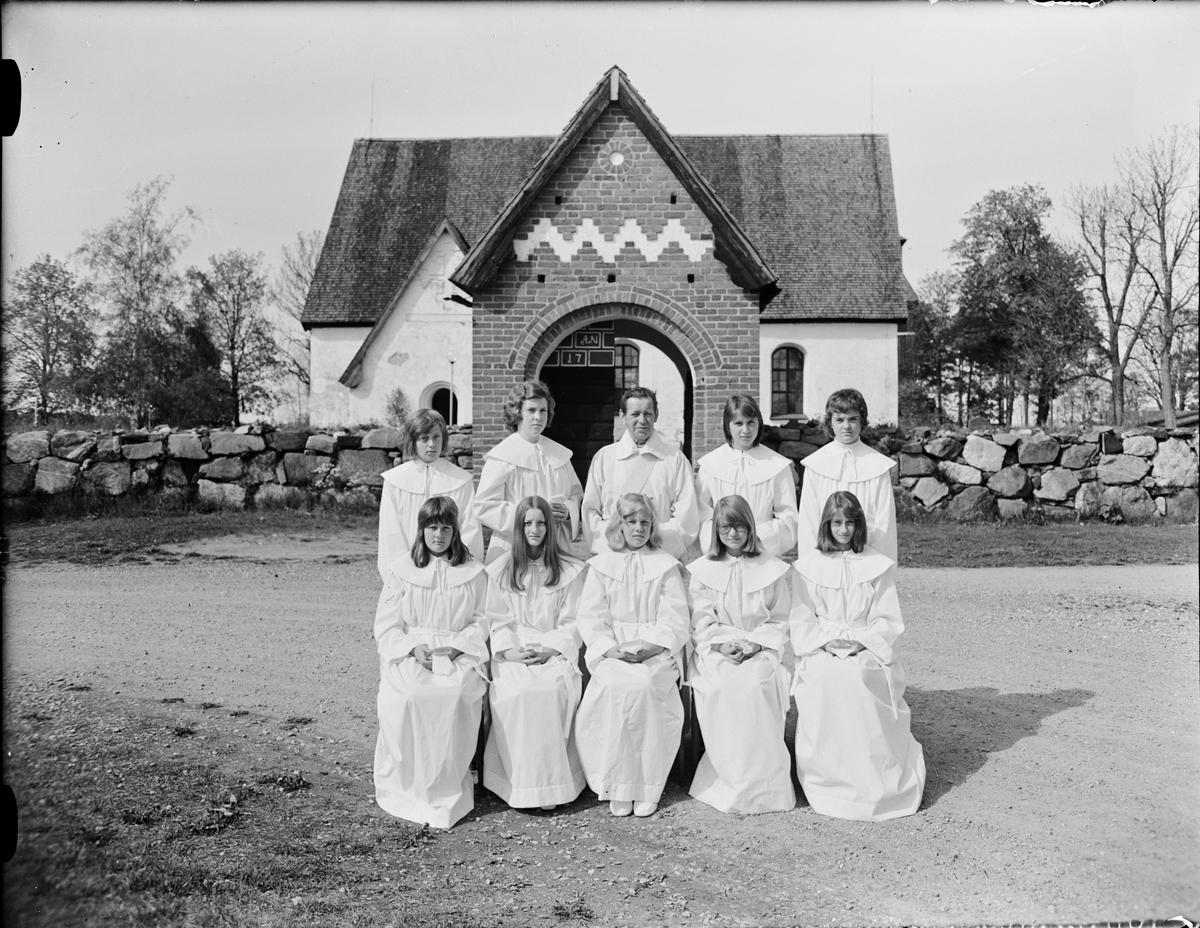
455,628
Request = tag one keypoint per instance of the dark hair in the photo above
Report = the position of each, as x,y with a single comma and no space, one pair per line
736,510
639,393
552,555
843,401
439,510
741,404
627,505
847,504
526,390
420,423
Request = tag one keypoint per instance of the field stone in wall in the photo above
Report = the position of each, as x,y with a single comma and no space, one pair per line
930,491
173,474
1006,439
1089,499
108,478
960,473
261,468
27,447
974,504
915,465
983,454
1057,484
1011,508
1175,464
363,468
1079,456
1011,483
142,451
286,441
1143,446
944,447
320,444
71,445
1116,469
221,495
108,448
388,439
298,468
233,443
1037,449
17,479
186,445
56,476
1183,505
223,469
1134,502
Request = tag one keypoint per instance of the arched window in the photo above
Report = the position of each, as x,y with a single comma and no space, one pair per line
440,402
787,382
625,368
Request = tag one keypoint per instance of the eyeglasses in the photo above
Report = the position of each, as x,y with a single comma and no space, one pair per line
731,529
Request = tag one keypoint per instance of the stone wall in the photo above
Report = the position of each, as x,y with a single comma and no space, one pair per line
1139,473
254,466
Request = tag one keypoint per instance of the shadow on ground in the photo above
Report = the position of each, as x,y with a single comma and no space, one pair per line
959,728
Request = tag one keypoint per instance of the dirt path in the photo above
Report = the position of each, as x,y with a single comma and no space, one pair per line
1057,707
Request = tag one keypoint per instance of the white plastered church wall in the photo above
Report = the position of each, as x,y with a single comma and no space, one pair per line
410,351
862,355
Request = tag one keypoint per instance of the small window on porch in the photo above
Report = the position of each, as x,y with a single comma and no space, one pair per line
787,382
625,368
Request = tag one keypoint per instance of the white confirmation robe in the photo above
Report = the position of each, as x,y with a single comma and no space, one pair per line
855,754
405,490
515,469
428,720
660,473
530,759
741,707
864,472
631,718
764,480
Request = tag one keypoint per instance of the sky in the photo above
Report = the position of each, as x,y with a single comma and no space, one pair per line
251,109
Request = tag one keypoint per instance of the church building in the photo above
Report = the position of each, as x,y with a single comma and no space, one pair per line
612,255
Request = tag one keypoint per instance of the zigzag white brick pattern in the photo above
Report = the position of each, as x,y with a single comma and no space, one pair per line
567,245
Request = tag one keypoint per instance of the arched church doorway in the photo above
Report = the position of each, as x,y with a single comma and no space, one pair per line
588,370
441,400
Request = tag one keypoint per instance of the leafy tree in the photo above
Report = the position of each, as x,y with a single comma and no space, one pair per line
197,393
289,291
930,322
1022,320
133,260
50,340
229,297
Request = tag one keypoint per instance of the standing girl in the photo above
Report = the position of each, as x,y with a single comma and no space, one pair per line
424,473
847,464
855,754
745,468
740,601
533,595
432,642
527,464
634,618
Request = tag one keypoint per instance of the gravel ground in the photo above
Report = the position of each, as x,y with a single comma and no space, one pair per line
1057,708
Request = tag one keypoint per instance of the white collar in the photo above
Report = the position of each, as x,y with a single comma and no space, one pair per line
654,445
757,465
571,568
654,562
853,463
517,451
757,572
404,568
826,569
410,476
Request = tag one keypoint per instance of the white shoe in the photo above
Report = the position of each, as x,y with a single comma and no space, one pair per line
549,808
618,807
644,809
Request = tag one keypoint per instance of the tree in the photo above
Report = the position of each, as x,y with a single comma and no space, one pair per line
133,260
50,340
930,322
1023,320
1161,180
229,298
289,291
1113,231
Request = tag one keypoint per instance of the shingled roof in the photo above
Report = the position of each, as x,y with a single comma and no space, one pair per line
819,209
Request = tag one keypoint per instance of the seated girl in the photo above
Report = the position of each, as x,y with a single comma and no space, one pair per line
533,596
855,755
741,598
634,619
432,642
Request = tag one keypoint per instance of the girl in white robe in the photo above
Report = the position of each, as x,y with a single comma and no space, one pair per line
741,599
533,596
847,464
432,643
527,464
634,619
424,474
855,754
742,467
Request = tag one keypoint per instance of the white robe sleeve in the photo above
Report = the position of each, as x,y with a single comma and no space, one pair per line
684,524
472,639
391,536
808,519
391,630
595,619
705,507
707,630
670,629
773,631
468,517
778,534
492,505
885,624
593,504
881,509
565,637
501,619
